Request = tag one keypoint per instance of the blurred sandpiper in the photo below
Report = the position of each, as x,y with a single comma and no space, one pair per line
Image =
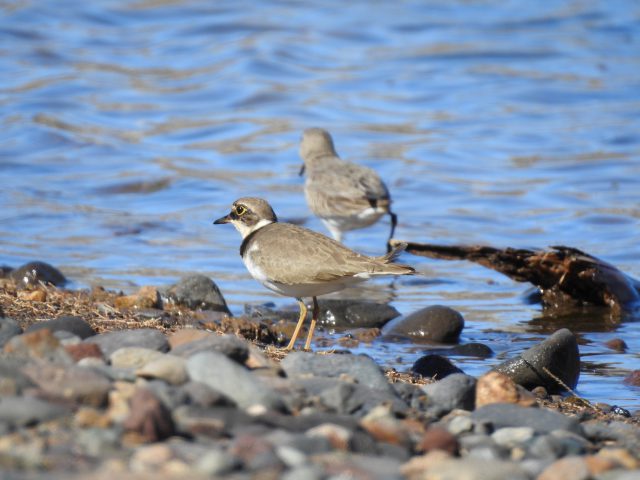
346,196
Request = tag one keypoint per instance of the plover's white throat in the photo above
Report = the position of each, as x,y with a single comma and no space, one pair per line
344,195
297,262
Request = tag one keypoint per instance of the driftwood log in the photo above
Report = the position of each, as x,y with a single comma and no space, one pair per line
565,276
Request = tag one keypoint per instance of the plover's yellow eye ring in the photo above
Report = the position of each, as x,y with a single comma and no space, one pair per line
241,210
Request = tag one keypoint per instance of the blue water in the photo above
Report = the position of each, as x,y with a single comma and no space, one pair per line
127,127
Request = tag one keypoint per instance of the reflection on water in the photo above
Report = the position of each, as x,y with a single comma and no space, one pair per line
127,127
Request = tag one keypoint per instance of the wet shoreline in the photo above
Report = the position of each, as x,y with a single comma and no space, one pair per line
166,382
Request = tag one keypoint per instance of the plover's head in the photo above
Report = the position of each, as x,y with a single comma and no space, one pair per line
248,214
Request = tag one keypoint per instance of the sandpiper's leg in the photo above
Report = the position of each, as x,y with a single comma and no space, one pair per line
394,222
303,315
314,319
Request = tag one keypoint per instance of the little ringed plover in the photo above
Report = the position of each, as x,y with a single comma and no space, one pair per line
297,262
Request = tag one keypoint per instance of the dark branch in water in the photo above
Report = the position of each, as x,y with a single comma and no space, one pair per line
565,276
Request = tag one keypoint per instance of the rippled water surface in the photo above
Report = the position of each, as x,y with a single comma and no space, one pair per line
127,127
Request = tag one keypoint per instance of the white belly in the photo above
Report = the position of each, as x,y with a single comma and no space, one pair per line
297,290
366,217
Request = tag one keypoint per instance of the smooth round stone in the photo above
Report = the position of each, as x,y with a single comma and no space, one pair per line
355,314
434,324
25,411
359,367
473,349
434,366
217,463
511,437
233,380
76,325
67,338
455,391
233,347
32,273
559,354
306,472
40,345
460,424
133,357
150,338
502,415
197,292
567,468
9,328
75,383
11,372
170,368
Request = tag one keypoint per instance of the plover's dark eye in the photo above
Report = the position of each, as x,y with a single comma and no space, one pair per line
241,210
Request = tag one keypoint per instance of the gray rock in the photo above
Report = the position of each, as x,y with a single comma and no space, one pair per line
623,433
170,368
109,342
619,474
41,345
557,444
372,467
32,273
98,442
75,325
502,415
299,441
67,338
460,424
434,324
434,366
482,447
477,469
559,354
133,357
546,447
217,462
407,391
268,312
112,373
256,453
355,314
200,394
224,375
307,471
229,345
213,422
472,349
198,292
346,397
75,383
454,391
511,437
25,411
475,440
360,368
308,421
170,395
11,377
9,328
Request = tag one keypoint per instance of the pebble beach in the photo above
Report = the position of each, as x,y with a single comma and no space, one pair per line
166,384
